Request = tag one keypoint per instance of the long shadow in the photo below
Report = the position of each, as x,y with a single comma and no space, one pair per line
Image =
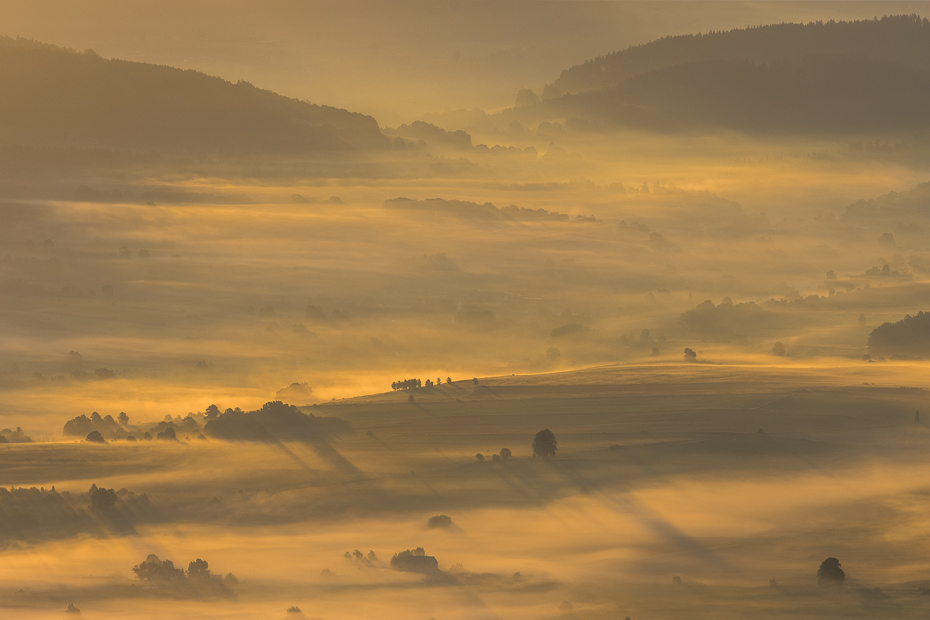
647,516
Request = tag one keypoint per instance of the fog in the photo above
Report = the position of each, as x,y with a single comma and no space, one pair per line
290,295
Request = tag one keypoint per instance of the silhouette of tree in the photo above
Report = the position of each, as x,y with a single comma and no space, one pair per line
101,500
439,521
198,569
505,453
544,444
475,380
123,418
480,457
168,433
95,437
448,379
690,355
830,575
155,570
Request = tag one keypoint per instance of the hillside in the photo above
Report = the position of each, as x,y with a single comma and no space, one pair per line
902,39
57,97
826,94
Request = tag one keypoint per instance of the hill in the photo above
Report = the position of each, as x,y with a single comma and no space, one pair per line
820,94
57,97
901,39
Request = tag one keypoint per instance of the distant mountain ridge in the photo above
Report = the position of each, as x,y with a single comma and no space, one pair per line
58,97
898,38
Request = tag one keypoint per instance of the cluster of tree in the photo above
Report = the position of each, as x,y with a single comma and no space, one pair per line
409,384
197,578
475,211
100,429
275,421
29,513
18,436
415,561
504,454
432,134
730,322
909,337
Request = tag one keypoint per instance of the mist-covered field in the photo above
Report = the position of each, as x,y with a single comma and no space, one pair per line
294,347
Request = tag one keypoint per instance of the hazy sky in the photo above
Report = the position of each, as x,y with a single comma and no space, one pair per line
395,60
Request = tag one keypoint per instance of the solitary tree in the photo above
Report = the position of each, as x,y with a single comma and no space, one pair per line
830,575
506,453
690,355
544,444
95,437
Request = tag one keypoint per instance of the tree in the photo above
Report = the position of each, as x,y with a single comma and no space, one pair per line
830,575
449,380
95,437
544,444
101,500
480,457
154,570
690,355
198,569
506,453
123,418
475,380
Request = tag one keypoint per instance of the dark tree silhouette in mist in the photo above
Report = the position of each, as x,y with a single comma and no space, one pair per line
102,500
690,355
544,444
830,575
198,569
95,437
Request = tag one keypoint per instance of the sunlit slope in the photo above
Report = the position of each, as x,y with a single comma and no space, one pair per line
901,39
53,96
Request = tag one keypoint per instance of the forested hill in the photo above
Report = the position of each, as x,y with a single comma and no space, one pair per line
817,95
58,97
903,39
